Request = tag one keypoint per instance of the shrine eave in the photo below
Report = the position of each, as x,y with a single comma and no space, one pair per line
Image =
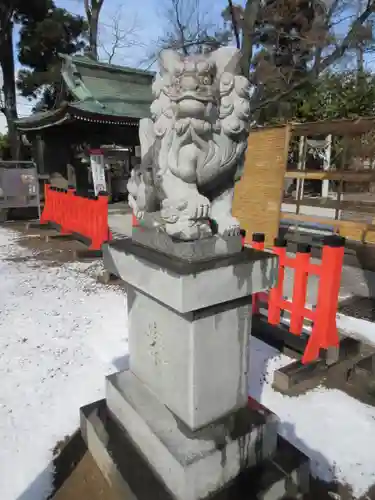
69,113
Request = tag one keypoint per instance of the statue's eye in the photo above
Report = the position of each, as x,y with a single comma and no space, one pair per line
177,80
206,80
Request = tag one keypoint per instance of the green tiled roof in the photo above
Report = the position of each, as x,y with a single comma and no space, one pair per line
110,90
113,93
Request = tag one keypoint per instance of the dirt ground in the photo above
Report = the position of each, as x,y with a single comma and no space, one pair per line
86,482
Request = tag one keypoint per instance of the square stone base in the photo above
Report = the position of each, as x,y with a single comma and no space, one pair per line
130,476
187,286
192,465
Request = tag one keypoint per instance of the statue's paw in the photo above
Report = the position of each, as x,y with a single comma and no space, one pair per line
228,226
199,207
184,230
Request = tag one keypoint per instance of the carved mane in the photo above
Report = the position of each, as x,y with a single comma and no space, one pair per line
193,147
224,142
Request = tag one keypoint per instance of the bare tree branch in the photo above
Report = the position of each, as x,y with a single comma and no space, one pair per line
180,28
321,64
234,23
92,9
115,37
188,28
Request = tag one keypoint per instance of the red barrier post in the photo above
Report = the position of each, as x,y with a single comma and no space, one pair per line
53,194
99,230
135,222
53,198
276,293
76,210
57,207
257,242
301,279
48,205
86,214
91,219
53,203
64,211
324,332
82,213
243,237
70,209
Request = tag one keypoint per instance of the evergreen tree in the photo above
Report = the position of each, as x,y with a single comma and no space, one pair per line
287,44
41,42
44,31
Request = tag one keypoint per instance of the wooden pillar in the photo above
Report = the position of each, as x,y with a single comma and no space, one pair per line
301,166
326,164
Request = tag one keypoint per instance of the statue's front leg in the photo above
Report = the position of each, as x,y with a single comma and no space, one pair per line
185,211
221,213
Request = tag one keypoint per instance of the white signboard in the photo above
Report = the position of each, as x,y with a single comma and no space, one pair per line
97,169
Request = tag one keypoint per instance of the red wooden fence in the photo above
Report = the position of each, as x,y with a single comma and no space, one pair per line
324,333
86,216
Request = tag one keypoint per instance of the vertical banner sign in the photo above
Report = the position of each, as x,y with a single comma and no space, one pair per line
98,171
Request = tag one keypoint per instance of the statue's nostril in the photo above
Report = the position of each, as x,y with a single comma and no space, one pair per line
189,83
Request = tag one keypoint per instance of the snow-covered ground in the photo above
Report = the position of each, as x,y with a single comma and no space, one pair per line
61,332
336,431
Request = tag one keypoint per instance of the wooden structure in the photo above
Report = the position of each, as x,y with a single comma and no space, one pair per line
277,155
102,104
258,196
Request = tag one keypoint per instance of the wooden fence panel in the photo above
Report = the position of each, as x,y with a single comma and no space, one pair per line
258,195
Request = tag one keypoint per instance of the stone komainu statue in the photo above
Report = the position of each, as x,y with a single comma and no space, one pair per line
192,150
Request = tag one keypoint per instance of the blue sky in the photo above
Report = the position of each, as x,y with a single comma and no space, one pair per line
150,25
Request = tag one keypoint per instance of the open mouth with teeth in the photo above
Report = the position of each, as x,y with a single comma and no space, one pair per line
204,99
191,96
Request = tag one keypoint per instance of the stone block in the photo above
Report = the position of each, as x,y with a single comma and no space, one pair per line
286,475
129,475
192,465
184,285
195,363
296,377
203,249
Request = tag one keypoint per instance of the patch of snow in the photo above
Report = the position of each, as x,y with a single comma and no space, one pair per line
61,333
357,328
336,431
9,247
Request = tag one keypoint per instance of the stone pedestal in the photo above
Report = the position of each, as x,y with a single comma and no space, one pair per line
190,464
189,326
183,402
